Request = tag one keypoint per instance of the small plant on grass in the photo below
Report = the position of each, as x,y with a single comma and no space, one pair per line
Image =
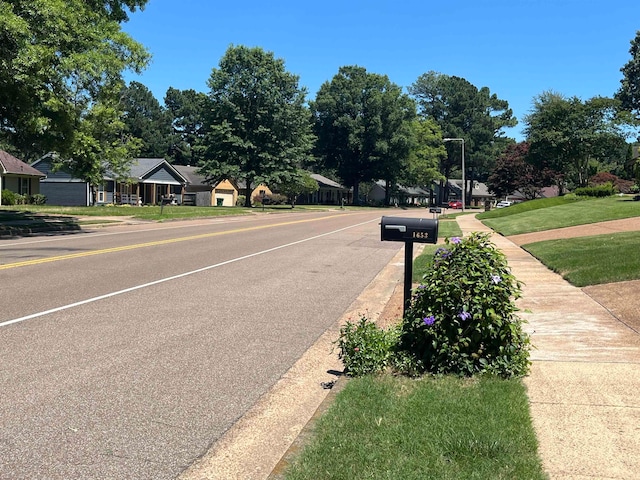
365,348
462,318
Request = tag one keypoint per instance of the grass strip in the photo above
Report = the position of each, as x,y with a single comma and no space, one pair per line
447,228
388,427
155,212
591,260
547,214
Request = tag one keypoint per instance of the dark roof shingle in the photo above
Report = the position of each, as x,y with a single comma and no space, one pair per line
11,165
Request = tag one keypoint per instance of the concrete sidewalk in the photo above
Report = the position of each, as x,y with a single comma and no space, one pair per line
584,385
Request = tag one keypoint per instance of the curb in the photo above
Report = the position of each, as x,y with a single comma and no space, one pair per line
305,436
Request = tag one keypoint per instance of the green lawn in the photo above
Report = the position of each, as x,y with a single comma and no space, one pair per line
447,228
547,214
442,428
582,261
591,260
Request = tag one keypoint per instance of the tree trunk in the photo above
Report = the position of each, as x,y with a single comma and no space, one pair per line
469,195
387,193
356,192
247,192
443,195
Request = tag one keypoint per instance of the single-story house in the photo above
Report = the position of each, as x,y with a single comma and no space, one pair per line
149,180
196,191
260,190
544,192
18,176
329,192
224,193
479,193
400,194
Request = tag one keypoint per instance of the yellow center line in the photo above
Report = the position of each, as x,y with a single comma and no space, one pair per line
89,253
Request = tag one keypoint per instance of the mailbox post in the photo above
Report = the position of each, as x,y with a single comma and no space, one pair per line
409,231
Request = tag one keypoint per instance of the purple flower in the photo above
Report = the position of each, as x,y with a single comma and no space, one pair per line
496,279
456,240
430,320
464,316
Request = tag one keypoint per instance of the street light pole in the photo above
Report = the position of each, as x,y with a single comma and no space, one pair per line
464,187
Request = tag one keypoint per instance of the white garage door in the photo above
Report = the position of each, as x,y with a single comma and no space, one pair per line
227,199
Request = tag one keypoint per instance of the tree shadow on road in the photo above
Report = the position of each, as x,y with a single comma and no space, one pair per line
15,223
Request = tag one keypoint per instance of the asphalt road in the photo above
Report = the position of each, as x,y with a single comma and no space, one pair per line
127,351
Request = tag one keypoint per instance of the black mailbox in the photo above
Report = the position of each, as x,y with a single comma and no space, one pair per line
414,230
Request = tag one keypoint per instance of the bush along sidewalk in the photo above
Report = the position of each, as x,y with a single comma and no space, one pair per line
462,320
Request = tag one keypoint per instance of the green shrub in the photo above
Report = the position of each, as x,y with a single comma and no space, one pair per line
8,197
604,190
38,199
365,348
273,199
462,317
240,201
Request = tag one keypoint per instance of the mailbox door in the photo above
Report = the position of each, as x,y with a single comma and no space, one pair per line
415,230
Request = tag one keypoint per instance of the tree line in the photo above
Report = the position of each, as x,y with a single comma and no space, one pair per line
62,91
256,124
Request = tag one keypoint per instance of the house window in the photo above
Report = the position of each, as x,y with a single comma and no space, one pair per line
24,186
101,190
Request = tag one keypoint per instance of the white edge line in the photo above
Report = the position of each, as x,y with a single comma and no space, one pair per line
175,277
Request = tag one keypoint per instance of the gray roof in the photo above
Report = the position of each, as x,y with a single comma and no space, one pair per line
11,165
140,167
191,174
413,191
326,182
479,189
416,191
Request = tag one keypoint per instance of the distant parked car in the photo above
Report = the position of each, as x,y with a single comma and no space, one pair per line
503,204
455,204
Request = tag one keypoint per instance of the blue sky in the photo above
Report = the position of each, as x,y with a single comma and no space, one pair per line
517,48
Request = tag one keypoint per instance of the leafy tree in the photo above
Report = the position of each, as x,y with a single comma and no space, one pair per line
567,134
513,173
629,92
259,128
397,138
146,119
116,10
58,60
362,122
186,109
101,147
604,178
300,183
426,153
461,110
